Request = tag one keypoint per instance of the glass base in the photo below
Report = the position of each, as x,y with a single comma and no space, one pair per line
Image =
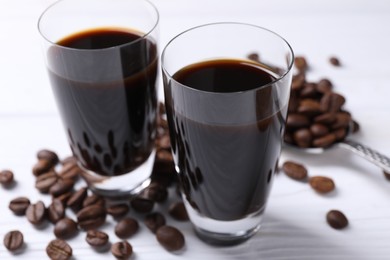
224,233
125,185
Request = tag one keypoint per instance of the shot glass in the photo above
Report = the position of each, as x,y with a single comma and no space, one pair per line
102,61
226,88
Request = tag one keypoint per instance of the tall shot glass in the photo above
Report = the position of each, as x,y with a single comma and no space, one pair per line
226,116
102,59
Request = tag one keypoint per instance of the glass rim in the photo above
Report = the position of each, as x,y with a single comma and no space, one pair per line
142,37
289,67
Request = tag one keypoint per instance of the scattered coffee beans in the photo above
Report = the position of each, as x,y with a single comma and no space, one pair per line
45,181
61,186
178,211
142,205
96,238
301,63
19,205
170,238
94,200
58,249
336,219
154,221
295,170
6,177
70,170
13,240
42,166
48,155
75,201
65,228
122,250
322,184
126,227
36,213
334,61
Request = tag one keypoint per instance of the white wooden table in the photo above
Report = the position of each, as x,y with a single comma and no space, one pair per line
294,224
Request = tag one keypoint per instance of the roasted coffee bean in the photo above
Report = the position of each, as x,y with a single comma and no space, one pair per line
355,127
343,120
322,184
13,240
334,61
325,118
96,238
340,133
65,228
61,186
118,210
91,217
75,201
297,121
58,249
309,107
254,57
178,211
19,205
324,85
309,90
142,205
122,250
69,159
156,192
154,221
56,211
387,175
303,137
336,219
64,197
294,170
331,102
6,177
126,227
45,181
48,155
325,141
36,213
318,130
70,171
94,199
300,63
42,166
298,81
170,238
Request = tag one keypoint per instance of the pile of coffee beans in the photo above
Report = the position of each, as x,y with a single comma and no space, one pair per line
58,178
316,117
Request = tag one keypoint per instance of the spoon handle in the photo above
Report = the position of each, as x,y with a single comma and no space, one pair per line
367,153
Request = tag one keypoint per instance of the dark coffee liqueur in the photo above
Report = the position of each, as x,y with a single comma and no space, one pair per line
107,96
227,169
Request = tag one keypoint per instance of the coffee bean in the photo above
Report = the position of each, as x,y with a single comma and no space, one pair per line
142,205
61,186
70,171
325,118
48,155
96,238
36,213
122,250
334,61
64,197
294,170
75,201
300,63
322,184
297,121
19,205
303,137
58,249
387,175
170,238
45,181
6,177
318,130
126,227
42,166
13,240
309,107
65,228
154,221
118,210
254,57
91,217
298,81
309,90
178,211
331,102
324,85
94,199
156,192
324,141
69,159
336,219
56,211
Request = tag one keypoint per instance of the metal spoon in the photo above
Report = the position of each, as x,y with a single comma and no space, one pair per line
362,150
